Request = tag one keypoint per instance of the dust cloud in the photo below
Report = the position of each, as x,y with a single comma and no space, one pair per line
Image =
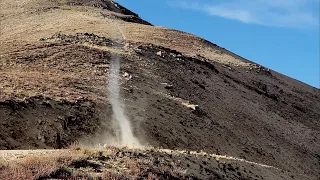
122,126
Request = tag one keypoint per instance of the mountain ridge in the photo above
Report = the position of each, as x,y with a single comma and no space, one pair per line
180,91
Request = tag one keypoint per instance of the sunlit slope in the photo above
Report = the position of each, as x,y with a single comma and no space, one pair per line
31,20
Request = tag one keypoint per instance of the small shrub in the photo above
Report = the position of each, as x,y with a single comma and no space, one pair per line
133,167
75,146
152,176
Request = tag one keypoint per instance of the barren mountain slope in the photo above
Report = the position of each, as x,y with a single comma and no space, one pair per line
180,91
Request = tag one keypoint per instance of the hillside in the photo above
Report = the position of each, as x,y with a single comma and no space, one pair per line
123,163
178,90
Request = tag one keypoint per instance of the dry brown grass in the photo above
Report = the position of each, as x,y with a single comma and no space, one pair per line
35,166
133,167
124,163
70,20
118,166
58,73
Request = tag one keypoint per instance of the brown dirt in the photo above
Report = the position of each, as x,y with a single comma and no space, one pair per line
53,91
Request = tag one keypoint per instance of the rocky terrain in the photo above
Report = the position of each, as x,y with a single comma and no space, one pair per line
180,92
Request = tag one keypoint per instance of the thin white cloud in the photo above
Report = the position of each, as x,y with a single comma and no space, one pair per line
284,13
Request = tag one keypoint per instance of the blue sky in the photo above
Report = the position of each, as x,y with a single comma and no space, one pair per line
280,34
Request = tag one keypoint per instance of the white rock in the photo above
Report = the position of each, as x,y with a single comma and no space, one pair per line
159,53
127,76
